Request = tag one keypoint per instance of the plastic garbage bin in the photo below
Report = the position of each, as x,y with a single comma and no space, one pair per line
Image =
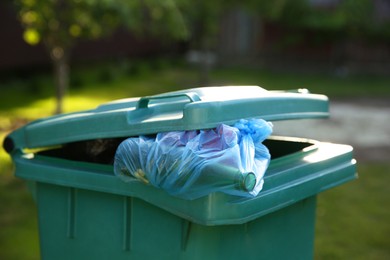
85,212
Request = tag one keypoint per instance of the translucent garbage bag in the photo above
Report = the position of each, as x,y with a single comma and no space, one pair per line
192,164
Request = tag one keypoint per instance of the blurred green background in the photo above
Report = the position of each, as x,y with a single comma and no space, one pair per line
337,48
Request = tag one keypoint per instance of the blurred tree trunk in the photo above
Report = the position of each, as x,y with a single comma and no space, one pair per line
60,59
60,23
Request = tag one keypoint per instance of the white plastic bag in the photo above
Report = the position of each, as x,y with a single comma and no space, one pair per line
192,164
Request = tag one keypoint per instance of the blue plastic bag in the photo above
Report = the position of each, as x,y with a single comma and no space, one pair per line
192,164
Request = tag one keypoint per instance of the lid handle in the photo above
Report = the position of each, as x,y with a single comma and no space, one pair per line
144,101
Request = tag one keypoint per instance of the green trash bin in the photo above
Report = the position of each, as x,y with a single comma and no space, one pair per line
85,212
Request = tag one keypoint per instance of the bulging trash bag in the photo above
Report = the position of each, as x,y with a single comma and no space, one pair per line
192,164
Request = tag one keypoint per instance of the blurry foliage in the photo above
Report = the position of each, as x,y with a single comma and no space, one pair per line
203,18
59,23
349,18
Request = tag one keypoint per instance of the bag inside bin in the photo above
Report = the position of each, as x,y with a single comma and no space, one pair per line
181,171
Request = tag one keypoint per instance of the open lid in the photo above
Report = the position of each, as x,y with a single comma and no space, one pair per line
198,108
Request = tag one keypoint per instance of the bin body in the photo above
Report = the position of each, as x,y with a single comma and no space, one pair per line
86,212
84,224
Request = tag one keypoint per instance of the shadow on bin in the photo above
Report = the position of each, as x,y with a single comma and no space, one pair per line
85,212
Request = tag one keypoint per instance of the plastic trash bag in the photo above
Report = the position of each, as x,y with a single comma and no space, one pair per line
192,164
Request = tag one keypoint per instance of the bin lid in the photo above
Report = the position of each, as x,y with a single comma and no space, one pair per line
197,108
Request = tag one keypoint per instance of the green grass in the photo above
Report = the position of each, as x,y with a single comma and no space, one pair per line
18,220
352,220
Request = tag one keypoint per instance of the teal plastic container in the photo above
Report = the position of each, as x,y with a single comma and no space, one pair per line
85,212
